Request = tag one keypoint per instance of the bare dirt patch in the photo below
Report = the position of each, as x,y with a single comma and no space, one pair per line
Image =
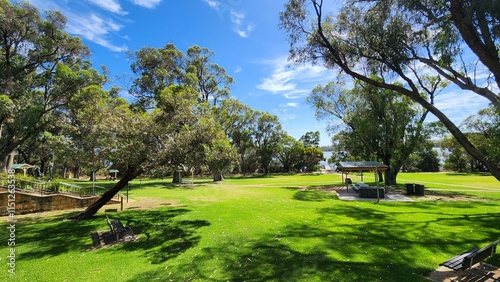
145,203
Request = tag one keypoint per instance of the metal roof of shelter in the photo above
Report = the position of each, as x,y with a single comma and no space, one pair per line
360,166
23,166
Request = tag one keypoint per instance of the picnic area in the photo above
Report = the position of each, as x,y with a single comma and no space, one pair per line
268,228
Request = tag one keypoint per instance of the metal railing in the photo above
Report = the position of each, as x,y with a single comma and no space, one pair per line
47,188
33,186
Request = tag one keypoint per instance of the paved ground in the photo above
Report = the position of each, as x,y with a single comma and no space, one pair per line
353,196
489,274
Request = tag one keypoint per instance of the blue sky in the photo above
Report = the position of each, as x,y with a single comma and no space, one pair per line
246,40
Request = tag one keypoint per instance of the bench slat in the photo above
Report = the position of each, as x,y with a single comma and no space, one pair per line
469,258
480,255
455,263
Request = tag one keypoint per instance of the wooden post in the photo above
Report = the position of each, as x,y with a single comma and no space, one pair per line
121,205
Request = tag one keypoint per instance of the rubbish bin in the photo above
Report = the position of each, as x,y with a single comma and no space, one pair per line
410,188
419,189
177,177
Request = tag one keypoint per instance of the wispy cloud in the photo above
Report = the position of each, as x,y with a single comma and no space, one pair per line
290,105
293,81
459,104
147,3
213,4
95,29
240,25
112,6
238,69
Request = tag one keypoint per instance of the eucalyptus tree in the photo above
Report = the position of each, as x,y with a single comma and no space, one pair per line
267,136
212,80
404,41
155,70
150,140
290,153
378,123
94,117
41,68
219,154
310,139
237,120
483,129
168,68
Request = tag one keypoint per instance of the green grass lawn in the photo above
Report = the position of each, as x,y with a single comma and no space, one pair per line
263,229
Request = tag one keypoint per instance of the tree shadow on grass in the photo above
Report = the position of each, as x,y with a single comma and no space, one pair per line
52,236
345,243
313,195
162,237
271,259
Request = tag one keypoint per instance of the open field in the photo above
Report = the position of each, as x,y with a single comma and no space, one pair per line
275,228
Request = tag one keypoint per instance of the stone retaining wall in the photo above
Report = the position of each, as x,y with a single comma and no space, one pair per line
30,203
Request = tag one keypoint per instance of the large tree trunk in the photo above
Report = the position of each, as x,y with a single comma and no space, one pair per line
177,178
390,177
218,176
129,175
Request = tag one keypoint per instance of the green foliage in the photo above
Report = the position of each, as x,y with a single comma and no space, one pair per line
290,153
428,160
267,137
310,139
418,42
374,121
42,68
213,82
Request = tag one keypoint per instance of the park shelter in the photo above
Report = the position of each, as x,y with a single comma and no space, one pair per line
115,171
24,167
360,167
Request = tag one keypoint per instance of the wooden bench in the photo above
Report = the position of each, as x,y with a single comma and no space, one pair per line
466,260
119,231
116,233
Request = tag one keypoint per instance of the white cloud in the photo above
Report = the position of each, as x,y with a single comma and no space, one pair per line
291,105
238,69
237,17
213,4
294,81
109,5
95,29
460,104
146,3
244,32
238,20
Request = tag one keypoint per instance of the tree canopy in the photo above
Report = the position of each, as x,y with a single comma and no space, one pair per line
404,42
41,68
376,123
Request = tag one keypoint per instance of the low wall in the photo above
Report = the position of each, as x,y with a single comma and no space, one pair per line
31,203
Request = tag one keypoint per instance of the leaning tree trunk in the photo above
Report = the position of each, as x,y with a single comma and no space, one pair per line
129,175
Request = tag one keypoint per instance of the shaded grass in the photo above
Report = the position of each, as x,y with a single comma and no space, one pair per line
258,229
